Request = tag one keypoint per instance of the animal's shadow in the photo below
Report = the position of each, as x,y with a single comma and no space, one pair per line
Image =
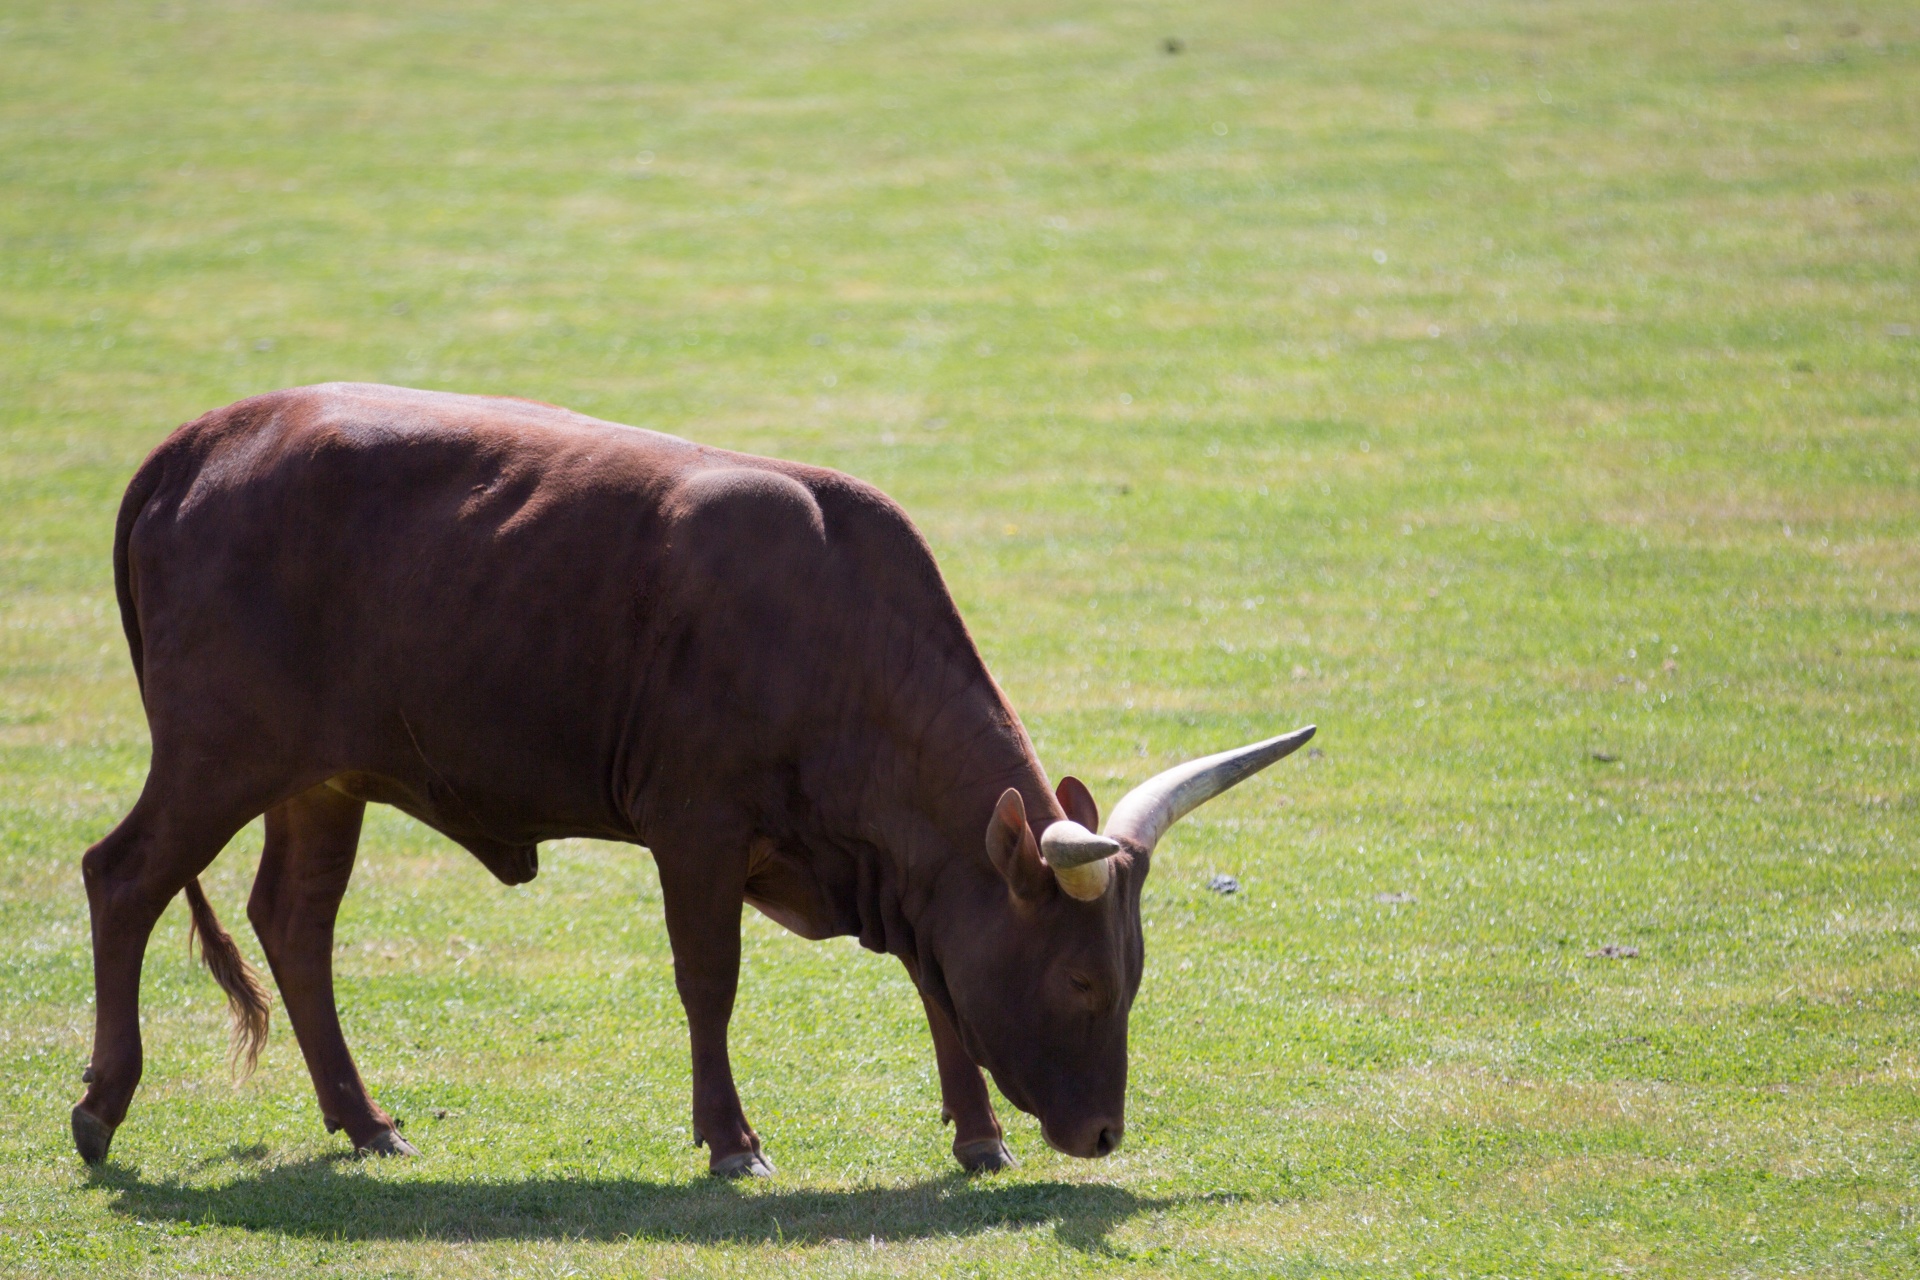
326,1198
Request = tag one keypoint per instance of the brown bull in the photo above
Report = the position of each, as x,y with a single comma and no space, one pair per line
517,624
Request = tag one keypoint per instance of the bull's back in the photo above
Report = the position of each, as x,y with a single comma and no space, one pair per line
522,614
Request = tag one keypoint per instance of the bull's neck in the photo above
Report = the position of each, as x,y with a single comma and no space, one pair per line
959,750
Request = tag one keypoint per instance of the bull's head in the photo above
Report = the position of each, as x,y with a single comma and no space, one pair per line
1043,997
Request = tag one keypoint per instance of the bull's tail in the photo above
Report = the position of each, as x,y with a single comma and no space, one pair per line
247,998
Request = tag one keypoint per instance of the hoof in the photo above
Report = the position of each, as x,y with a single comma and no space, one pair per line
745,1164
387,1142
984,1155
91,1136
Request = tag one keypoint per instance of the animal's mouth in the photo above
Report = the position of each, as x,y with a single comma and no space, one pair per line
1094,1140
1089,1139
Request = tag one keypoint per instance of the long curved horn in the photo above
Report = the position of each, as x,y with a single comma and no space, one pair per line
1078,858
1144,813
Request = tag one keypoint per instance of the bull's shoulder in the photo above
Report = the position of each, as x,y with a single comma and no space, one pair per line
878,536
736,496
880,552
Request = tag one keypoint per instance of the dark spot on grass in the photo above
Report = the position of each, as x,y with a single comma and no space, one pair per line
1392,896
1614,951
1172,45
1605,757
1224,884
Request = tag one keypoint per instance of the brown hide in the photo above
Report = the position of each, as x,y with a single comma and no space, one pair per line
517,623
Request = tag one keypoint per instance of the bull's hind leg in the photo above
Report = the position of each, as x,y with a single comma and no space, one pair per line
131,876
310,846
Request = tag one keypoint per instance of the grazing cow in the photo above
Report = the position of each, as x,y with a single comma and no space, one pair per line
517,624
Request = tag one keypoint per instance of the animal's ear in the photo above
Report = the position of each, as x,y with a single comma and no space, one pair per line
1078,802
1012,848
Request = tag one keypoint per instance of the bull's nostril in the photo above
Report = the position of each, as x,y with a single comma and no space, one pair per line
1109,1141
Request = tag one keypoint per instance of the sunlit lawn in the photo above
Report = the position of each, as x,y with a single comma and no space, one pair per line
1526,393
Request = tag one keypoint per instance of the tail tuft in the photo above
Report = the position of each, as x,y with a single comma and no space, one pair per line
247,999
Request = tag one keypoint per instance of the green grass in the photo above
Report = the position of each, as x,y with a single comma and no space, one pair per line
1499,385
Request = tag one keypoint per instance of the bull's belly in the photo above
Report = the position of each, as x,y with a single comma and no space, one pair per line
513,860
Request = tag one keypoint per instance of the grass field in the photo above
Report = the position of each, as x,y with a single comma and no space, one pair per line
1528,393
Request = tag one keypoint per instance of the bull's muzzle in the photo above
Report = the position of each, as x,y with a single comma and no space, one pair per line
1089,1139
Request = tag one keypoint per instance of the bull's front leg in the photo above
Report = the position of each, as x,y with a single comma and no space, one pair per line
979,1144
704,896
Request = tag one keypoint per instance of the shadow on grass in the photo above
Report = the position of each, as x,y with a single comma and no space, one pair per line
328,1198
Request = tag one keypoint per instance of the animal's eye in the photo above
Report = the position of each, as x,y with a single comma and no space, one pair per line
1087,993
